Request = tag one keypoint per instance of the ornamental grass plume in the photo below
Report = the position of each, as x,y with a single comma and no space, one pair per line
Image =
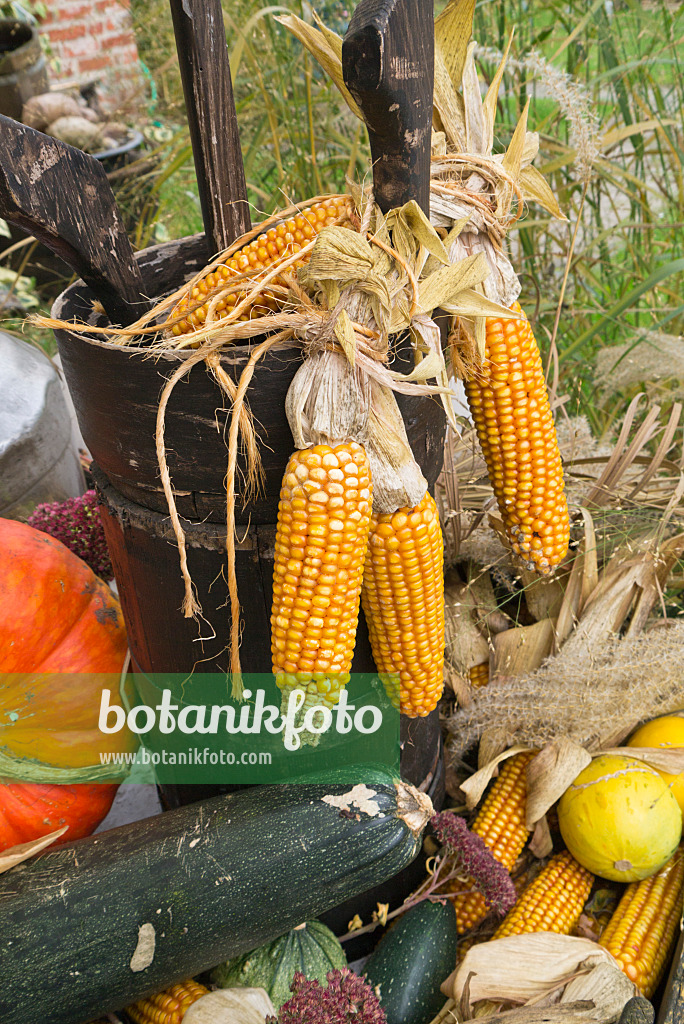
469,857
346,1000
77,524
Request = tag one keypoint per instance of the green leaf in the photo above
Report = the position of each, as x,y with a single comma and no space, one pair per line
661,274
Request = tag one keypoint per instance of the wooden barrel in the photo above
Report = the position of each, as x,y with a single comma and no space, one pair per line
116,393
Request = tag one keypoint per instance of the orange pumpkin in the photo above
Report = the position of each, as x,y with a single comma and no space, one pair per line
62,640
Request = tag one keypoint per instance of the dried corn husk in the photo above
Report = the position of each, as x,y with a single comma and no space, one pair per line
231,1006
520,968
18,854
607,987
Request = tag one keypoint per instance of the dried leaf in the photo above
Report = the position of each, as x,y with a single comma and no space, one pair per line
607,987
475,129
663,759
344,332
466,645
522,649
448,105
320,48
536,189
475,786
397,478
541,843
17,854
469,303
453,29
421,229
490,100
522,967
550,773
442,287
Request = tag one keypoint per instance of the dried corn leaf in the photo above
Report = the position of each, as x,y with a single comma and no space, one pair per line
522,649
663,759
607,987
448,113
231,1006
536,189
18,854
466,645
443,286
544,595
453,29
550,773
397,478
541,843
475,786
490,101
320,47
523,967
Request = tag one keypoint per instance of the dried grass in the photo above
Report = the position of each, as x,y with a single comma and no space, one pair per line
652,358
590,692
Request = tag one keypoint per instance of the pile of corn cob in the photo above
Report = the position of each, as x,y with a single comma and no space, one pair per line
640,932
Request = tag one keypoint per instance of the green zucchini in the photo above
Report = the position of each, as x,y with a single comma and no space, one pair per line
412,960
310,948
89,928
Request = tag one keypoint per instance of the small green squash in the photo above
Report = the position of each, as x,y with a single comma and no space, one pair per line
412,960
310,948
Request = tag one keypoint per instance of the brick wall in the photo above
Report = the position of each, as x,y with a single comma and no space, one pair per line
90,39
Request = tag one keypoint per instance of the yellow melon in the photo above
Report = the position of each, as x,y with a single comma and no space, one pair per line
667,731
619,819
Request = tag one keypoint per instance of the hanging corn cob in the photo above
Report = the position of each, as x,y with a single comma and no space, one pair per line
642,930
553,902
245,267
323,521
510,408
500,823
168,1007
403,601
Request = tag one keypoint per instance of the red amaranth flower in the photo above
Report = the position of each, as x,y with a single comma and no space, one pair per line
346,1000
76,522
472,858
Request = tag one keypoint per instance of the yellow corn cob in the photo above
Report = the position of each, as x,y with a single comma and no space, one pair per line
501,825
553,902
273,246
168,1007
403,601
642,931
510,408
323,522
479,675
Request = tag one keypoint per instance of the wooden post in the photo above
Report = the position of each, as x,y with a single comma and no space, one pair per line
205,71
388,59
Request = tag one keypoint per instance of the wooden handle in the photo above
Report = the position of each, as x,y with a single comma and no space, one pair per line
388,62
61,196
205,71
